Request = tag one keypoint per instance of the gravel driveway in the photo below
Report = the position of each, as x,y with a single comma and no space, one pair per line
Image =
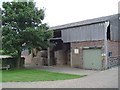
95,79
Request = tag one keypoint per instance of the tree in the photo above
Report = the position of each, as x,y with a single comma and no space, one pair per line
22,27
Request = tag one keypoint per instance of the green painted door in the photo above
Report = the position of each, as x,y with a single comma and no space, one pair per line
92,59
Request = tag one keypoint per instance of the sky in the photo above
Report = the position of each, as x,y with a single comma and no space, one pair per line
59,12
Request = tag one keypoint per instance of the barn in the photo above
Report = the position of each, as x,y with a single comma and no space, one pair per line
88,44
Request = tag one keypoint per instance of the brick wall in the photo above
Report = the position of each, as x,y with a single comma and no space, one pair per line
60,57
40,58
77,59
28,59
113,47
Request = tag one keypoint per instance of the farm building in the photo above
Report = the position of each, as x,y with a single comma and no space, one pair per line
89,44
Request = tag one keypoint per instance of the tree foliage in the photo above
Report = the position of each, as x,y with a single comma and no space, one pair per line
22,27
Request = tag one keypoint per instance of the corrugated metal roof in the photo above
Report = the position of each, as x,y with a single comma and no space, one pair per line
85,22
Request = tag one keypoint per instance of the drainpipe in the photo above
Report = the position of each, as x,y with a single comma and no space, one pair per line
105,44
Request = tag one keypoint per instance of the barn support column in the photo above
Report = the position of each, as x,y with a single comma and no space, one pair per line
105,44
48,53
48,56
71,65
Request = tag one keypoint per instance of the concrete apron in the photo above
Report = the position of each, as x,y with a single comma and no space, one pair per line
64,69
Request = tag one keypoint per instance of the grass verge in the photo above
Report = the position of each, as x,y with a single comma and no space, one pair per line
30,75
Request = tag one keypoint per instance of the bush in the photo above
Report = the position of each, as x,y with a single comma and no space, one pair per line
12,62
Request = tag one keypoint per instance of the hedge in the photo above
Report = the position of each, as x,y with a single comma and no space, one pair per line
12,62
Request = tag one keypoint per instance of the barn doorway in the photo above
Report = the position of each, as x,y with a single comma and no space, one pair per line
60,53
92,59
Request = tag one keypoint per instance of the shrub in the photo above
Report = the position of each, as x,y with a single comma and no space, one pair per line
12,61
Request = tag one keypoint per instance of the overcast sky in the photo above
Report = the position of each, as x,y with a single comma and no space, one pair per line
60,12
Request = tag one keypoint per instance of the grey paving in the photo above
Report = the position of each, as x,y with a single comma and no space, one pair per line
95,79
65,69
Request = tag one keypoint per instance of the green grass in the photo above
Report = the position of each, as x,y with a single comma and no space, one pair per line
29,75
